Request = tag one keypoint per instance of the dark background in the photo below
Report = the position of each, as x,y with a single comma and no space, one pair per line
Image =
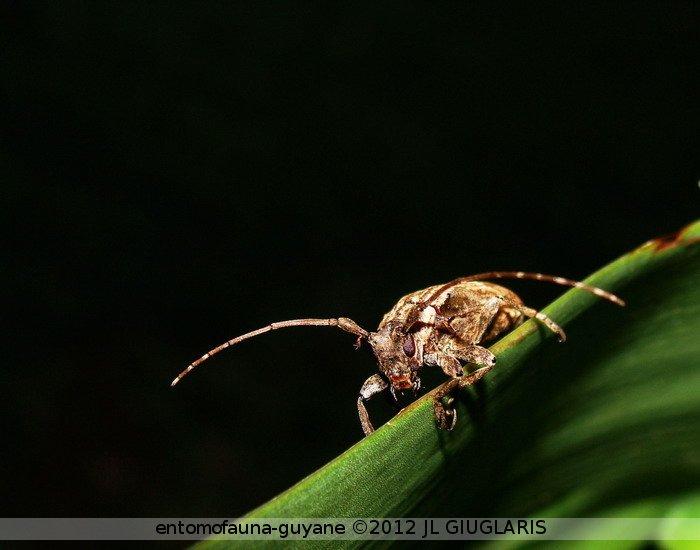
176,174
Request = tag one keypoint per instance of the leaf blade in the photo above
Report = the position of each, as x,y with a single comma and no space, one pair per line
547,415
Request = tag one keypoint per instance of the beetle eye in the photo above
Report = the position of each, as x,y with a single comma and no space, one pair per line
409,346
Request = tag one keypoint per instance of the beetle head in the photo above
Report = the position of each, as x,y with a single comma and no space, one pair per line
398,356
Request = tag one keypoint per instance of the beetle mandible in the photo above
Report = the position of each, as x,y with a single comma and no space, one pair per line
442,325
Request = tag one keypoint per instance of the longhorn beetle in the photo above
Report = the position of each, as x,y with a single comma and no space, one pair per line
442,325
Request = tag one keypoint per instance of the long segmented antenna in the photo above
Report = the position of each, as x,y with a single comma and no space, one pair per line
348,325
522,275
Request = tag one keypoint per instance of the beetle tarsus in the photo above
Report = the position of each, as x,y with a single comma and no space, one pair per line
445,414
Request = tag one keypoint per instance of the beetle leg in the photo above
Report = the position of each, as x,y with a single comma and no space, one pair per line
470,353
446,416
372,386
449,364
529,312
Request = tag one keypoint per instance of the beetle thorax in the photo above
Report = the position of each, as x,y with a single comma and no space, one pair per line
399,355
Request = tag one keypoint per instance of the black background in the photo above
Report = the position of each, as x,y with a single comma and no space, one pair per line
176,174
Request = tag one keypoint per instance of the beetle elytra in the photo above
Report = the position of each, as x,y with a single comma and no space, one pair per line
442,325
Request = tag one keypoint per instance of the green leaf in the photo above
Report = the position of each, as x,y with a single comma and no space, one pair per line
605,424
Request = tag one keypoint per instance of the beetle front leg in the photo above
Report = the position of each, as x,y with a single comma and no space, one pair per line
373,385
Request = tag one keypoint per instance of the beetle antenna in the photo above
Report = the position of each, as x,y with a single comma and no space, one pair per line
348,325
532,276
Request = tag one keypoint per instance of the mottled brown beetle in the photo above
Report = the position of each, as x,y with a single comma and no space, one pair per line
443,325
